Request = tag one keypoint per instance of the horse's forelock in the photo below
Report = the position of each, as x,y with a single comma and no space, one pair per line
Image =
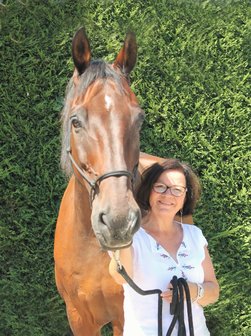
97,70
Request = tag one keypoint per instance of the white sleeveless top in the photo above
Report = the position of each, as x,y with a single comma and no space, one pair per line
153,268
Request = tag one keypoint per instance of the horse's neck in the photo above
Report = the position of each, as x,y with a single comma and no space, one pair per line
78,199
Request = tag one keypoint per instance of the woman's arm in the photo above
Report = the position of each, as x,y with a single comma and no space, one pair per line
210,285
125,257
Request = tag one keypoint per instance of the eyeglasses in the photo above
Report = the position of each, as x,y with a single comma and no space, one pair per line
176,191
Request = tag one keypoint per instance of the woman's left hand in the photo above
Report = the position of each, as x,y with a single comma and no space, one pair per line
167,295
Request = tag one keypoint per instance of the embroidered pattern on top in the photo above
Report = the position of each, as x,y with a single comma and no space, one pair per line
171,268
163,255
188,266
183,254
184,275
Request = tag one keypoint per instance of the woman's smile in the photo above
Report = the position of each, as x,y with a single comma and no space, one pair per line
165,201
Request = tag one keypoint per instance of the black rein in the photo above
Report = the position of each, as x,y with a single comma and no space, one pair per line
176,306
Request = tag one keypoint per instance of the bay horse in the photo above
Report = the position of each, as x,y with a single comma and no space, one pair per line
101,121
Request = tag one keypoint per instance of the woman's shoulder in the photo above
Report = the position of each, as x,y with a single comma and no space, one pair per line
191,228
194,232
141,238
141,242
140,234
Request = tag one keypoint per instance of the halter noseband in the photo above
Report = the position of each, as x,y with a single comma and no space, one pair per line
94,184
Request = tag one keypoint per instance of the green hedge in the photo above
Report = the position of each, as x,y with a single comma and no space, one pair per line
193,80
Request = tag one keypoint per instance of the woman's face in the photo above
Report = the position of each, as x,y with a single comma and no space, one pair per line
168,194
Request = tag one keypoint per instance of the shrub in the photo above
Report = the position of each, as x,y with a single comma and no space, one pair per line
192,79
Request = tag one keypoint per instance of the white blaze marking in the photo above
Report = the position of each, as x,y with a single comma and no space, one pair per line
108,102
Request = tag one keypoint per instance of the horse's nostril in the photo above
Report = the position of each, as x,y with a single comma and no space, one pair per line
102,218
134,225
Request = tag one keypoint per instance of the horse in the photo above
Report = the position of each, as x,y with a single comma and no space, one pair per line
101,121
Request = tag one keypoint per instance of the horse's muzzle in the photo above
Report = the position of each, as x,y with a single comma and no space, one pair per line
115,231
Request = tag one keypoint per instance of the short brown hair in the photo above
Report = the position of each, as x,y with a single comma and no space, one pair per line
151,175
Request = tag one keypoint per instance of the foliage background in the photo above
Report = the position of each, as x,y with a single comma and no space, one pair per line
193,80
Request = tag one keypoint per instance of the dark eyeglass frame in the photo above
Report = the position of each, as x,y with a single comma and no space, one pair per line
175,190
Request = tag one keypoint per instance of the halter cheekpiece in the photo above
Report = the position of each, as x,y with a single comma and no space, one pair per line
94,184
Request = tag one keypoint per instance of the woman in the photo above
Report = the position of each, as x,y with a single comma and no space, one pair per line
164,247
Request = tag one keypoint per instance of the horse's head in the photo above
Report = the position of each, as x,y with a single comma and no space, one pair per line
102,119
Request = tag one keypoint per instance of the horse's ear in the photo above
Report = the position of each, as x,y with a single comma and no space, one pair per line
127,56
81,52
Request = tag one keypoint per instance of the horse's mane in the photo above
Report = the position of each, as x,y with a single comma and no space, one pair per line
97,70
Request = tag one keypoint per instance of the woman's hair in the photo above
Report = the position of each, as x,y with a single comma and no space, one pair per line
151,175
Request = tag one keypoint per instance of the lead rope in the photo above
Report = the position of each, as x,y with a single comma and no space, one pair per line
176,306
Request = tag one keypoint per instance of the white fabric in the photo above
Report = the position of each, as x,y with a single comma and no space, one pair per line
154,268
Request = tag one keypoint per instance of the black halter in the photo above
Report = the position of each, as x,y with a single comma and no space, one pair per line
94,184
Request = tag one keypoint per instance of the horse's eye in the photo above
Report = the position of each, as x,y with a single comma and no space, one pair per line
76,123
